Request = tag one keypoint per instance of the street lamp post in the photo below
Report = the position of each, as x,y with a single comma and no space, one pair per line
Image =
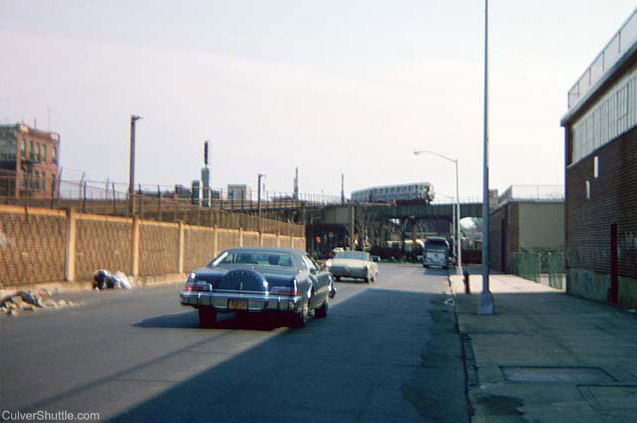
486,306
131,175
457,211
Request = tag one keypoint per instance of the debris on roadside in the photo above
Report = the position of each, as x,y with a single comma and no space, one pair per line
103,279
12,304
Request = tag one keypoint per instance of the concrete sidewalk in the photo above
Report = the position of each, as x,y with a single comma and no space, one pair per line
546,356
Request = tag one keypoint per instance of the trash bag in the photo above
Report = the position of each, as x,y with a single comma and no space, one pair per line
99,279
103,279
123,280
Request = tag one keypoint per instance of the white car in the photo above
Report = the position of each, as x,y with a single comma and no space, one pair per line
353,264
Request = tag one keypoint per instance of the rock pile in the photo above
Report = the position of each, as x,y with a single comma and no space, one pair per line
12,304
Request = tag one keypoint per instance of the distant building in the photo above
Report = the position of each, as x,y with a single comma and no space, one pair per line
239,193
601,174
527,219
28,162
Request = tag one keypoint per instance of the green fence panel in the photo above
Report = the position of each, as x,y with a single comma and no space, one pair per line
556,270
528,265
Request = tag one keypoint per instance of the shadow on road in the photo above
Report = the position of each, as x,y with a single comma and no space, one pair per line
434,271
228,321
365,362
362,363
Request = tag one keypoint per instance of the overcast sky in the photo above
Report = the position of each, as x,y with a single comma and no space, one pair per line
330,86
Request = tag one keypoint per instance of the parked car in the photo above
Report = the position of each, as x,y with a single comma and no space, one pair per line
437,253
260,280
354,264
376,259
335,251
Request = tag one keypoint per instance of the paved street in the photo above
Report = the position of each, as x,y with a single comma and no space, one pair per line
387,352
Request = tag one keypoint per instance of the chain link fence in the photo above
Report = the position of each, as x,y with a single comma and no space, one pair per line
541,267
32,247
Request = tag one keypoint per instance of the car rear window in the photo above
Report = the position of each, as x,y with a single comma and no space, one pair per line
355,255
436,245
258,258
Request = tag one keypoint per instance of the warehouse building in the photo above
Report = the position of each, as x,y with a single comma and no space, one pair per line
601,174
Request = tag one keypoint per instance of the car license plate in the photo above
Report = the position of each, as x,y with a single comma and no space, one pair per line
238,304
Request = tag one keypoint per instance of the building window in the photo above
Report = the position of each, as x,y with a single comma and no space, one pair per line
39,153
44,159
612,115
23,176
31,151
43,184
24,149
36,181
588,190
53,185
54,155
596,167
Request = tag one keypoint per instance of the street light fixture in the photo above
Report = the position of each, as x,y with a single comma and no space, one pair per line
457,212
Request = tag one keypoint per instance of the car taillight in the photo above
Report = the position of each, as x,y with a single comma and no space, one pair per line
198,287
284,290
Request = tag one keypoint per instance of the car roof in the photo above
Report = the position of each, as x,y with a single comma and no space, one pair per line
268,250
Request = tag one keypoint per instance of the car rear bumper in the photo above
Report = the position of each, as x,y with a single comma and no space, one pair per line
348,272
441,263
240,302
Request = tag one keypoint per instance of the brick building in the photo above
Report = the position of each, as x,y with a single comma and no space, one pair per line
601,175
28,162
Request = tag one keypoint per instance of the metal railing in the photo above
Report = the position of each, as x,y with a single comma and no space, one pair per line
161,204
616,47
532,193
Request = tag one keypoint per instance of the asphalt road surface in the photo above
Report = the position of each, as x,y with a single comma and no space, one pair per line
387,352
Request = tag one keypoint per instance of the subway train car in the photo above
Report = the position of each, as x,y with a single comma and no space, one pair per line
421,192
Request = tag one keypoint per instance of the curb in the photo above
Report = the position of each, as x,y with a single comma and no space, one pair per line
87,285
468,358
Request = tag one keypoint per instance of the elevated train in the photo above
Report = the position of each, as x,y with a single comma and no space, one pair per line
421,192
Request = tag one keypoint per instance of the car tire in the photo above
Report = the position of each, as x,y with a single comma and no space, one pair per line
332,293
207,316
300,319
321,313
366,280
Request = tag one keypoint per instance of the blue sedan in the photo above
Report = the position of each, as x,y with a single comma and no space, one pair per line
260,280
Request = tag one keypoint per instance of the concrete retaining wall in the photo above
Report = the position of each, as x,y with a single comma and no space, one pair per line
43,245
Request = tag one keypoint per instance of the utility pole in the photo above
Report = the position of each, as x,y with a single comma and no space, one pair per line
131,174
458,231
296,185
486,297
205,176
342,188
261,175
